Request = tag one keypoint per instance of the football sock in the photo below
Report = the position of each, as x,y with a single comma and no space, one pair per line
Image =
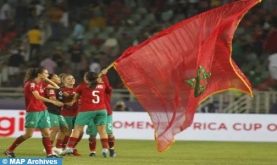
71,142
104,143
65,141
47,145
111,142
17,141
92,144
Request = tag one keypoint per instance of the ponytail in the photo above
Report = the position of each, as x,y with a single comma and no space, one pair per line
92,84
92,79
32,73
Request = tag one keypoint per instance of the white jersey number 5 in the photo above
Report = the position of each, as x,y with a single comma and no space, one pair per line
96,100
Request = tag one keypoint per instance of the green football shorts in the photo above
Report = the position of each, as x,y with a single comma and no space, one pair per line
92,130
57,120
70,120
37,119
99,117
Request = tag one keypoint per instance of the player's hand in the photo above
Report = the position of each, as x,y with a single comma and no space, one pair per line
58,103
71,103
104,71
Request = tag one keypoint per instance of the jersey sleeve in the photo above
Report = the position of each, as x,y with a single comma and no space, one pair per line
32,87
79,89
107,84
50,93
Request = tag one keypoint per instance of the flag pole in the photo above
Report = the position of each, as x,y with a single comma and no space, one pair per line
109,67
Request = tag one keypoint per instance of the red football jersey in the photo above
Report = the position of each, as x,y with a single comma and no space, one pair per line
69,110
108,94
31,103
92,99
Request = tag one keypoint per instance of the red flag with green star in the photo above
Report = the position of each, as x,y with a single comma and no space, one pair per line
172,72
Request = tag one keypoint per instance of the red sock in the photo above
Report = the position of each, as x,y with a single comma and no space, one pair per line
59,144
47,145
104,143
71,142
65,141
92,144
111,142
17,141
78,140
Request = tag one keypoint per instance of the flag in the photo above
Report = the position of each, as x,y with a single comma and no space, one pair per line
172,72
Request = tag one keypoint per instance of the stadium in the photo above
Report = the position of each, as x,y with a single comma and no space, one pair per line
139,81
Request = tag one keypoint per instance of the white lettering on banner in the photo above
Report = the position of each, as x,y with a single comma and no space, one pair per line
17,161
137,125
133,125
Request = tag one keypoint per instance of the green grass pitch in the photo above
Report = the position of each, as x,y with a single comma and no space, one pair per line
143,152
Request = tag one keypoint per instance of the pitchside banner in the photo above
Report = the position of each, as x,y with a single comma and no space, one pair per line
137,125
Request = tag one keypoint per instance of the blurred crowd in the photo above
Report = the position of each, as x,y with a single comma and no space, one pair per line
91,34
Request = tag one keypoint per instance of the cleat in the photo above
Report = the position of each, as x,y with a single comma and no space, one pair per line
57,151
112,153
67,151
104,153
9,154
92,154
52,156
76,153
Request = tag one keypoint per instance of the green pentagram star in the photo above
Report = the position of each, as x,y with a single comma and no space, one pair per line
195,82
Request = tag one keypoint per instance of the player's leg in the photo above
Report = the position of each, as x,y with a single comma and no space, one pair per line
53,133
82,119
31,120
73,139
70,123
92,132
63,128
28,134
44,126
100,122
111,140
55,127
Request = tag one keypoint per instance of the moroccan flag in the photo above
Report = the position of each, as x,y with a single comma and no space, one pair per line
172,72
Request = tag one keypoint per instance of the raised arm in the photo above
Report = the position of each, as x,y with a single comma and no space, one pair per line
39,97
51,84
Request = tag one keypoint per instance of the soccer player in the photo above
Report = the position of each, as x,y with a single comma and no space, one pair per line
57,121
92,108
91,129
37,116
69,111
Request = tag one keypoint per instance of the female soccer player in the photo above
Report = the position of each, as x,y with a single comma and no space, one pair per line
37,116
92,108
91,129
69,111
57,121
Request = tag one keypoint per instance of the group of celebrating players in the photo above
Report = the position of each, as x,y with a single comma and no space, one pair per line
61,111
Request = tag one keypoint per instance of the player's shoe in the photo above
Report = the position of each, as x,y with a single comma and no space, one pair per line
104,153
57,151
52,156
67,151
76,153
112,153
92,154
9,154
